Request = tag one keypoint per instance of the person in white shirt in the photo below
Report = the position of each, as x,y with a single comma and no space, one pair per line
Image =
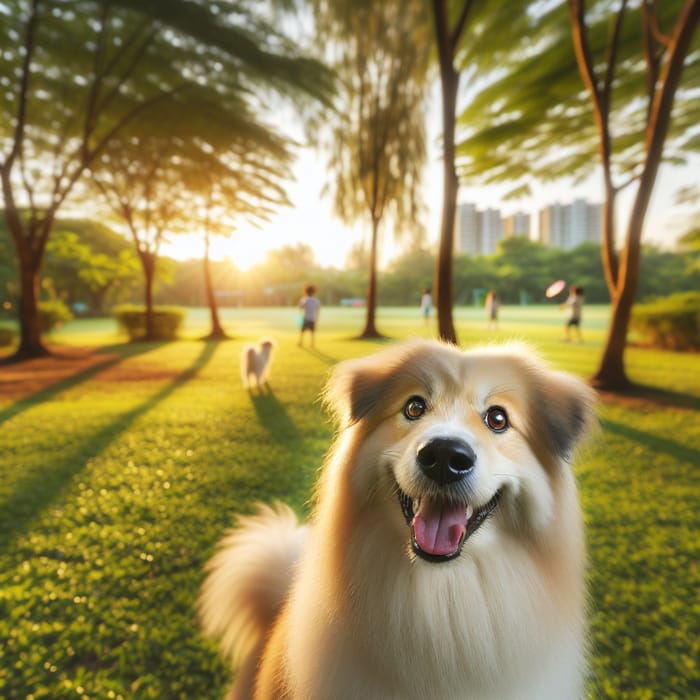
310,306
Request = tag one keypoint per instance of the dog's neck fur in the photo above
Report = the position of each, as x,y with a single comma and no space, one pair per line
404,609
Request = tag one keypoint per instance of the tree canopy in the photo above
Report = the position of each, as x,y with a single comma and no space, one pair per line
76,75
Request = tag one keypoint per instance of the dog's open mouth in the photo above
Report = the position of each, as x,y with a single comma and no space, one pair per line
440,528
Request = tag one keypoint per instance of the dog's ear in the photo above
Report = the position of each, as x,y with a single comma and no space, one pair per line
355,388
564,411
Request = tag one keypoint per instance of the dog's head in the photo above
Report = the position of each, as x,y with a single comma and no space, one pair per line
453,439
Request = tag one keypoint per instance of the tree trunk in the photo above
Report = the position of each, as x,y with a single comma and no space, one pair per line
370,330
97,300
30,343
30,250
217,332
611,373
611,370
443,265
148,261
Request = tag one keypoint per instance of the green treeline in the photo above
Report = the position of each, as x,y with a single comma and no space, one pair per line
89,266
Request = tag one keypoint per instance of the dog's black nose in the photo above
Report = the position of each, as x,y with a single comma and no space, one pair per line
445,460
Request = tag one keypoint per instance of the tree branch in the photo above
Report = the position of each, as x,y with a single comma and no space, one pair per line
669,78
138,55
22,97
91,113
460,24
651,7
612,56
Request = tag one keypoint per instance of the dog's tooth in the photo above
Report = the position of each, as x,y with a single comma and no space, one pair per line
470,512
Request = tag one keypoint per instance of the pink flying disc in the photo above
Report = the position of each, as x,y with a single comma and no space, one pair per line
555,288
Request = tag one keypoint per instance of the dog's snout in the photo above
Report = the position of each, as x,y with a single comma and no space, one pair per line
445,460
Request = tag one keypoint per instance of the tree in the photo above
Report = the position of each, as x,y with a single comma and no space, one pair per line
378,136
448,36
467,54
81,274
142,186
631,62
76,74
203,172
230,184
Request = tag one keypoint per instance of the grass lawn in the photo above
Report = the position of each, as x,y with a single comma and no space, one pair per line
122,467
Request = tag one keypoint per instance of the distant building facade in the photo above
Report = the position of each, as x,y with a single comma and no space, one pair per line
567,226
517,224
478,232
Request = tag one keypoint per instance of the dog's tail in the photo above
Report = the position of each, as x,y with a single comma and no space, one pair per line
248,579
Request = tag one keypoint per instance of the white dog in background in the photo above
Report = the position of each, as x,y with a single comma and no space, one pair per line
445,556
255,363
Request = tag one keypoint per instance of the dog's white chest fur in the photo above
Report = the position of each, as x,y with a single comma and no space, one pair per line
477,629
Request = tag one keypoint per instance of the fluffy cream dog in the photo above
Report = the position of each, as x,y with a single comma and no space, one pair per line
255,363
444,559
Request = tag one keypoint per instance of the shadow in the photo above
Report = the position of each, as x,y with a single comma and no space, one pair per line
653,442
379,340
641,394
321,355
35,492
274,418
125,351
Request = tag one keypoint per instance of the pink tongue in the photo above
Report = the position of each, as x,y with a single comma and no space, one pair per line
438,528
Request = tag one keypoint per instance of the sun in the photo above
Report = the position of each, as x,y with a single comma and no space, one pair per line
244,249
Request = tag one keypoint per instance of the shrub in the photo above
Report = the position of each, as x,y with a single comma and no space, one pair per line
166,321
52,314
7,337
672,322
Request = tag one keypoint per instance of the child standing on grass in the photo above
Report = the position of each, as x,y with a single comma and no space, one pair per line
310,306
426,304
575,306
491,305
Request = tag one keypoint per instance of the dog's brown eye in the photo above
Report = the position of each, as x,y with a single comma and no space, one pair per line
415,407
496,419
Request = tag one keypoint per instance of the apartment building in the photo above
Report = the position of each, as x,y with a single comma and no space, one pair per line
569,225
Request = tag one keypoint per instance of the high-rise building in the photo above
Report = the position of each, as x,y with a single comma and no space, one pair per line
468,238
517,224
568,225
478,232
491,230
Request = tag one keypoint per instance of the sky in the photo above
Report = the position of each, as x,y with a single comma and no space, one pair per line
310,220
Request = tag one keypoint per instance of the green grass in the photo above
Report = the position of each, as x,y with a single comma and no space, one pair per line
116,484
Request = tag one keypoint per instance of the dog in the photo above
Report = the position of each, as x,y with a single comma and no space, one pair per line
444,558
255,363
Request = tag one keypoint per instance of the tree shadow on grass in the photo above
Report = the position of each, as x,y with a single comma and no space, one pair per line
114,355
643,395
653,442
374,340
34,493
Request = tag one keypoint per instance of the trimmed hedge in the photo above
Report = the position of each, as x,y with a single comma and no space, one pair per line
53,313
166,321
671,323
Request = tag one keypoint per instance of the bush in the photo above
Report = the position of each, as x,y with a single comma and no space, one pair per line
7,337
52,314
166,321
672,323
